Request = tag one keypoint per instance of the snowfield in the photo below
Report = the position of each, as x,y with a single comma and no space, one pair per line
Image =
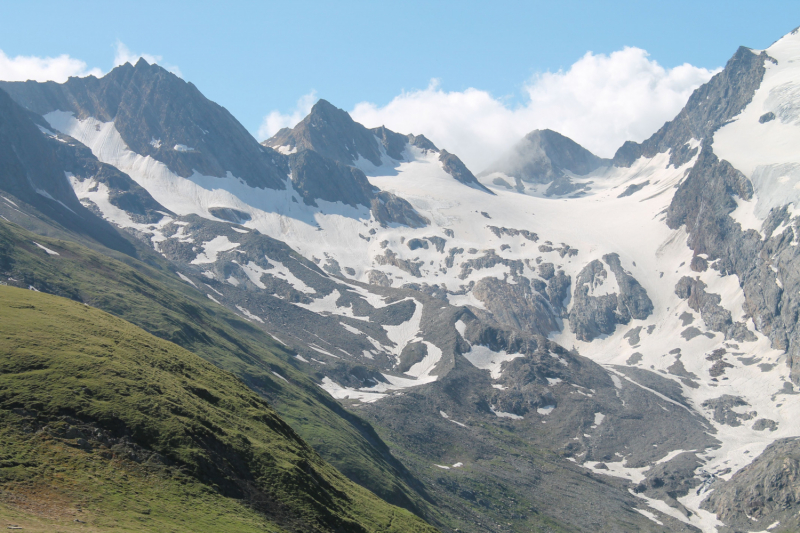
468,225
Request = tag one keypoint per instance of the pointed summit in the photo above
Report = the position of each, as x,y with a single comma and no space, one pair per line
158,114
331,132
542,156
545,156
334,134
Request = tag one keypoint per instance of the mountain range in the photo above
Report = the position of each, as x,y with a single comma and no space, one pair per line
344,328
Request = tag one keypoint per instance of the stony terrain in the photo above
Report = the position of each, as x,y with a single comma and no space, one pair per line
561,329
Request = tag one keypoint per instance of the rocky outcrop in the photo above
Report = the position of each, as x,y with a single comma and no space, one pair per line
723,412
632,301
715,317
763,493
318,178
456,168
558,291
512,232
592,316
388,208
516,305
391,258
488,260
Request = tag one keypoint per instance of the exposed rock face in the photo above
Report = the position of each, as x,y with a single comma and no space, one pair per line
671,480
764,263
140,100
516,305
29,163
542,156
632,301
558,291
395,143
762,493
592,316
453,166
488,260
723,409
390,209
32,171
376,277
631,189
547,270
710,106
391,258
512,232
331,132
715,317
766,268
316,177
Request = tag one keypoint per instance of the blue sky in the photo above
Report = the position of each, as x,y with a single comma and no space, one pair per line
258,57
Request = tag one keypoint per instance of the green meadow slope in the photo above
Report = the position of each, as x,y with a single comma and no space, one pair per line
107,427
155,300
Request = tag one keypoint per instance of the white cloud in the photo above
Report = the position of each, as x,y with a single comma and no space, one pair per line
123,55
58,69
277,120
23,68
600,102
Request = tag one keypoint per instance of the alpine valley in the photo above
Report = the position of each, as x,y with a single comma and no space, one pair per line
344,329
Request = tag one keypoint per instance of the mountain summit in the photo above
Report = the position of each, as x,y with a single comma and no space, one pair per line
545,156
157,114
334,134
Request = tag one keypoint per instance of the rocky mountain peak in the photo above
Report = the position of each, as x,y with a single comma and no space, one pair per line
709,107
545,156
158,114
331,132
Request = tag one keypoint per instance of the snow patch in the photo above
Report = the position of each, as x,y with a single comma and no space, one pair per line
186,279
248,314
486,359
213,248
48,250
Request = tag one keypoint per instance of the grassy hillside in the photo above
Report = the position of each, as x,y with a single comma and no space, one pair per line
172,310
107,424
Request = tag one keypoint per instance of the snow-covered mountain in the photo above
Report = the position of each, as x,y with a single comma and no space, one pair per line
635,316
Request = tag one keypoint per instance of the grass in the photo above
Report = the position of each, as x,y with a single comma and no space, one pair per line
107,424
159,303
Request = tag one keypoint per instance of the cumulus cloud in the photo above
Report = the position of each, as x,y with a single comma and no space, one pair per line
600,102
123,55
277,120
58,69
